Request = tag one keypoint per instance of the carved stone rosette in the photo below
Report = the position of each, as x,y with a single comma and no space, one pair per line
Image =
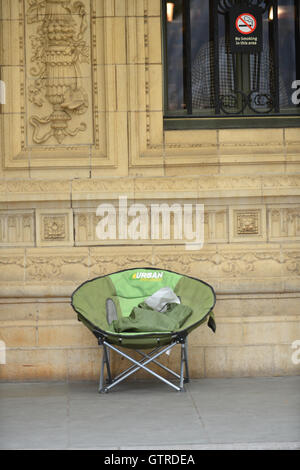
58,49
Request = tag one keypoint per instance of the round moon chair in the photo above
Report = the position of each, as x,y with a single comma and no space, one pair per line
113,307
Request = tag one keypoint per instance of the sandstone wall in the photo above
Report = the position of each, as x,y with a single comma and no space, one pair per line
85,127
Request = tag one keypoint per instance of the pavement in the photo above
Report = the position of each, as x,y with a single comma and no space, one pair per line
230,413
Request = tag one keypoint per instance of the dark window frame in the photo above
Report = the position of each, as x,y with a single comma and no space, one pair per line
180,122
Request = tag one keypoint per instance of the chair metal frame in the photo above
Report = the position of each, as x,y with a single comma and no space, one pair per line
146,359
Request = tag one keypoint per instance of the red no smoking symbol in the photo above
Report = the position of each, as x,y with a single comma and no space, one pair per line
245,23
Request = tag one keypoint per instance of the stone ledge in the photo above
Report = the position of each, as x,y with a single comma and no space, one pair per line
149,187
62,293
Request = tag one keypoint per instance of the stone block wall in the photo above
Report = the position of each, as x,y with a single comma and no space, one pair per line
85,127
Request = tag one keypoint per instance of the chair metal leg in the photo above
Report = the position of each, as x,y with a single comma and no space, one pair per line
186,360
159,364
140,366
146,359
146,356
182,366
105,360
101,373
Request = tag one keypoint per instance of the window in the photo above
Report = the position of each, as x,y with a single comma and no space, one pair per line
230,63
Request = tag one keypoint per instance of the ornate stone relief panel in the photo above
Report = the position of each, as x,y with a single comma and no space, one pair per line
59,114
215,225
284,223
17,228
54,227
247,223
69,265
58,73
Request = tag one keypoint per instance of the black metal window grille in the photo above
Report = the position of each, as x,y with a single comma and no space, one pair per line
205,77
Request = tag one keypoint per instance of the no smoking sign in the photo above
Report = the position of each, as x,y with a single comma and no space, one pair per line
245,23
245,29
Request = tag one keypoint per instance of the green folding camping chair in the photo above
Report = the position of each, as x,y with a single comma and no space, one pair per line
114,307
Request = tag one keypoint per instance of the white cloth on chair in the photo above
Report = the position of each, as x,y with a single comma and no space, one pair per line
160,299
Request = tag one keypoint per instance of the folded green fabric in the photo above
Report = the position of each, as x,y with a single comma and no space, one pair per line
144,319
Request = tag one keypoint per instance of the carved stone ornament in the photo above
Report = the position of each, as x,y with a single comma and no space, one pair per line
54,227
247,223
58,47
284,223
17,228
